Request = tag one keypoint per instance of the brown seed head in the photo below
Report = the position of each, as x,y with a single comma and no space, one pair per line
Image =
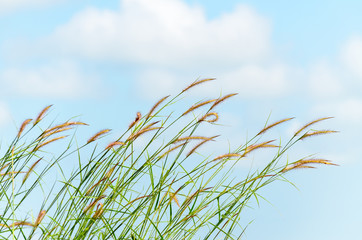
315,133
286,169
23,125
311,123
155,106
273,125
63,125
40,218
138,117
93,203
258,146
20,223
137,134
204,118
99,211
41,115
304,164
198,106
197,83
97,135
220,100
55,132
172,149
113,144
228,155
191,138
49,141
200,144
30,170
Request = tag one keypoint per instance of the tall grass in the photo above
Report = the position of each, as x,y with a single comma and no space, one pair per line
151,182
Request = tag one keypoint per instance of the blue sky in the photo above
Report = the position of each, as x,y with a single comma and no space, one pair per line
106,60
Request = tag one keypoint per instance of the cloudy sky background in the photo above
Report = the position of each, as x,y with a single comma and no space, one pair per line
106,60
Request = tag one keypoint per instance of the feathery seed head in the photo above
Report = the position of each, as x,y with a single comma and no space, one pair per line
204,118
310,124
41,114
49,141
318,132
23,125
138,117
198,106
220,100
40,218
97,135
113,144
155,106
197,83
273,125
228,155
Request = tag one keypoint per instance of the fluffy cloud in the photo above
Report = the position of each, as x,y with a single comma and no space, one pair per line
352,55
61,80
324,80
5,115
348,111
167,33
171,43
248,80
11,5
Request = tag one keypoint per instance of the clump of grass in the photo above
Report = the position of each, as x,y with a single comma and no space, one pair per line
162,188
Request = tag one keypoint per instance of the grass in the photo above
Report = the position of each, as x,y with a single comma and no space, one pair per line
152,182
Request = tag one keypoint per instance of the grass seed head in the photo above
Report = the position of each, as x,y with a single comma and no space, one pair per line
220,100
30,170
199,145
204,118
113,144
258,146
97,135
99,211
149,114
197,83
310,124
138,117
316,133
191,138
23,125
49,141
196,106
41,115
172,149
228,155
273,125
139,133
63,125
40,218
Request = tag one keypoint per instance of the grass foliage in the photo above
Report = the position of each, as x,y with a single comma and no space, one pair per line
149,183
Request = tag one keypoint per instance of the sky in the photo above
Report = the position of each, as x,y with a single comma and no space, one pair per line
106,60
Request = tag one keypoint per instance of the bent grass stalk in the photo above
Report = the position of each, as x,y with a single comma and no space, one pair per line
166,187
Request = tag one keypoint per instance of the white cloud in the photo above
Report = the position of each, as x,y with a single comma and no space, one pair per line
11,5
61,80
324,81
166,33
154,83
352,55
5,115
248,81
254,80
179,43
347,111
